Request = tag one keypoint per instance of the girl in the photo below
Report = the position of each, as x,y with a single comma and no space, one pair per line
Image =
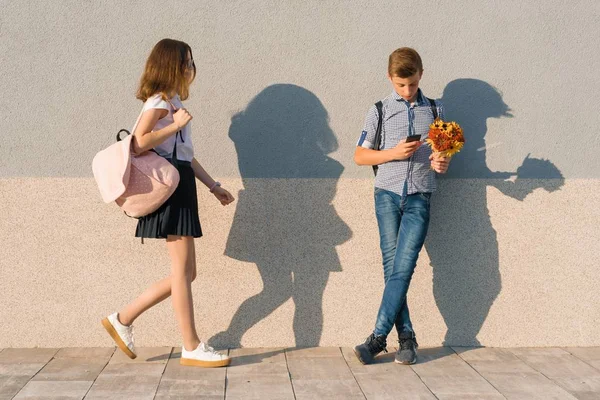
164,126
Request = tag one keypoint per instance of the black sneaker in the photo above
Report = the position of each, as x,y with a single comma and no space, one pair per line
407,352
367,351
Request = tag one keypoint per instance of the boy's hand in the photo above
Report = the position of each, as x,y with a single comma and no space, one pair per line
404,150
439,163
223,195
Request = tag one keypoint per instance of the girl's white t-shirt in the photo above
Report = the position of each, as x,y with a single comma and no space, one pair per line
185,148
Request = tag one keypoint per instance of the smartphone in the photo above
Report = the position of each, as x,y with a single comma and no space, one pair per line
413,138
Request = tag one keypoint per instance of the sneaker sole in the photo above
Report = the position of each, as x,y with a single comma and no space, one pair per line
120,343
189,362
406,362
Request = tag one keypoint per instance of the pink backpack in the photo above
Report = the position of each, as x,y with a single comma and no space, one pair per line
138,184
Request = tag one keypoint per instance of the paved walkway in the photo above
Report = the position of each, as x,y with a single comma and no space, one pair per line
311,373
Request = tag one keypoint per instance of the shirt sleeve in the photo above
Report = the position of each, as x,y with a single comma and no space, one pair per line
367,136
156,101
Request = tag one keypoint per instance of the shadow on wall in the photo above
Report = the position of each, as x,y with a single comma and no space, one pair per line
284,220
462,242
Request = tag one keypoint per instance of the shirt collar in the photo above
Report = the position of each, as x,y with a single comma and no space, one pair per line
420,98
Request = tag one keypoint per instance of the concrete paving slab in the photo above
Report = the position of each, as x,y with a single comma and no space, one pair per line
86,352
71,369
128,380
326,375
450,377
312,352
54,390
26,356
385,379
190,382
145,355
10,385
572,374
590,355
511,376
258,374
124,387
18,366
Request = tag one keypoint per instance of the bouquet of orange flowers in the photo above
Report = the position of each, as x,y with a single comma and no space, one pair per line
445,138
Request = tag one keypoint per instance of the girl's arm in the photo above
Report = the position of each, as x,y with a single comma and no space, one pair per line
201,174
221,194
146,139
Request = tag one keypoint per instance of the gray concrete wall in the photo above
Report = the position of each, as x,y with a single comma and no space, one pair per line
279,102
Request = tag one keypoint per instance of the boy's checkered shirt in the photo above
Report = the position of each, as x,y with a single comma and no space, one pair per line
401,119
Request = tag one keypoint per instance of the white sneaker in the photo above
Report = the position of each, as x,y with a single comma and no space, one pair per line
121,334
204,356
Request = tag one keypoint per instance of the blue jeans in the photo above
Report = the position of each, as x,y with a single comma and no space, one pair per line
403,223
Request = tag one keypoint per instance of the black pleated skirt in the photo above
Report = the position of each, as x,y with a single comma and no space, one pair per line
179,214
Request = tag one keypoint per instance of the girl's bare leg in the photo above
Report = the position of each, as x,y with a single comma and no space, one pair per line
153,295
183,264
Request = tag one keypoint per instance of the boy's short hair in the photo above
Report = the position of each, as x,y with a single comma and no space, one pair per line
404,62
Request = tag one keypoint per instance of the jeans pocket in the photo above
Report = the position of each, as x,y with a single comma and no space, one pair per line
425,196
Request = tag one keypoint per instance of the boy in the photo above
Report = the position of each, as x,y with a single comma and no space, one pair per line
403,187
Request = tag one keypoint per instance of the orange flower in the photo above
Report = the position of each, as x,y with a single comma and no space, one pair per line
445,137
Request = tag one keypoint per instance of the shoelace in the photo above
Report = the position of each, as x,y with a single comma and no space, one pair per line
129,334
407,344
375,345
211,350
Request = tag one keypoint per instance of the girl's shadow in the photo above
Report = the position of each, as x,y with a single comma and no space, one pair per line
284,220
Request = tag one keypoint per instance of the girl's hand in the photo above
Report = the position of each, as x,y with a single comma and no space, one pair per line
223,195
182,117
438,163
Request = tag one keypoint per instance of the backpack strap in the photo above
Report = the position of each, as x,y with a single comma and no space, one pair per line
377,140
178,133
433,108
127,133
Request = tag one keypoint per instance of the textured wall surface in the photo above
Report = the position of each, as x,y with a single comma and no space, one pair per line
279,102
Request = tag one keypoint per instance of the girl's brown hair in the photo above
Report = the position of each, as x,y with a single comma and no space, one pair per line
405,62
165,70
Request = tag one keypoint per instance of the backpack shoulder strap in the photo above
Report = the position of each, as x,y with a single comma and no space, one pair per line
433,108
377,140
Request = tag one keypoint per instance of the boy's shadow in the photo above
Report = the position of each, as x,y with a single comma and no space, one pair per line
462,243
284,221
